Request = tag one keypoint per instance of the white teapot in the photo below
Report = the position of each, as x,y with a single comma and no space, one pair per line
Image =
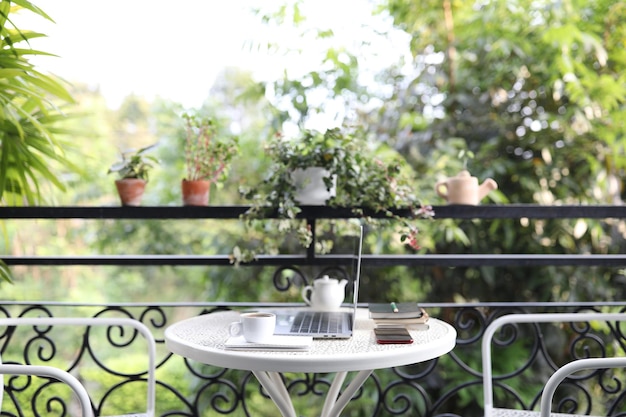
327,293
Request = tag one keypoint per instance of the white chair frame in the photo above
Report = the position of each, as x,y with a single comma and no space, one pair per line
51,372
87,322
559,375
570,368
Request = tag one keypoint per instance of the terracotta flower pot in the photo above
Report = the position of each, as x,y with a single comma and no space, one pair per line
196,193
130,191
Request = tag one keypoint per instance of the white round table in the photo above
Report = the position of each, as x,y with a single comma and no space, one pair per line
202,339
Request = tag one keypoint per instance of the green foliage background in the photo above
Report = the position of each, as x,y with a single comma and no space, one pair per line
534,90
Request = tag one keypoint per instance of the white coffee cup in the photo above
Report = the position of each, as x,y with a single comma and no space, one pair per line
255,327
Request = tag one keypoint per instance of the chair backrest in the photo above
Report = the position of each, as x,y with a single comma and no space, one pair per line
102,321
50,372
529,318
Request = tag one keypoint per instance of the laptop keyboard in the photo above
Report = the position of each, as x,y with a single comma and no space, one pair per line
317,323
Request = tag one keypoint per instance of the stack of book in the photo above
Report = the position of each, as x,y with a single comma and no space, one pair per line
408,315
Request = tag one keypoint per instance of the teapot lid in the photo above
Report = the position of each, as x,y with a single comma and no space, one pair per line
324,280
464,174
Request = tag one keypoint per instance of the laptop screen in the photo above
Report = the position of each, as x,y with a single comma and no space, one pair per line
358,251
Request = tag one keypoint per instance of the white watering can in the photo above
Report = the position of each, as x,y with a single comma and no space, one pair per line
464,189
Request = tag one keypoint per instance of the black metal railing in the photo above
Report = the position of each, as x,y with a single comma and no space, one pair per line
448,386
312,214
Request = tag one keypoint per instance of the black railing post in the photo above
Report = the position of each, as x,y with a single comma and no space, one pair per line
310,252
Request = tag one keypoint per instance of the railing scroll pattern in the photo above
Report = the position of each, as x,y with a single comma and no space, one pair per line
448,386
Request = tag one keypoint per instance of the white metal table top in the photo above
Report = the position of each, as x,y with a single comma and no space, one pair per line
202,339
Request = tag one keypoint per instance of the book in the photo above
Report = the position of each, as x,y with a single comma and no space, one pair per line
276,343
411,323
395,310
408,326
422,319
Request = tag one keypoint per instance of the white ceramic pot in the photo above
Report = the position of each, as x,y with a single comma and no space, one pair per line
310,187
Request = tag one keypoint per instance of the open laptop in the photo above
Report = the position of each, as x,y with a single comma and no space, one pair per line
324,324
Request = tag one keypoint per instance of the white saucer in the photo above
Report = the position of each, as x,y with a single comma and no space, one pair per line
276,342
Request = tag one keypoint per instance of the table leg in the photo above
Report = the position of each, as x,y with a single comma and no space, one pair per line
275,387
333,392
334,404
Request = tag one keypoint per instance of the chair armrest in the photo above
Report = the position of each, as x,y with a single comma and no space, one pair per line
570,368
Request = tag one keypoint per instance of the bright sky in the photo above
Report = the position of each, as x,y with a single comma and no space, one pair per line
174,49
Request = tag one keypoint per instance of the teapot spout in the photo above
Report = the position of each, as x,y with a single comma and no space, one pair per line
343,283
487,186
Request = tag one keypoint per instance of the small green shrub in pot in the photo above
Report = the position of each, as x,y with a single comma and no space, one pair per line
208,155
133,173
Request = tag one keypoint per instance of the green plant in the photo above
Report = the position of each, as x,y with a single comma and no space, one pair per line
465,155
32,109
207,153
134,164
29,114
367,178
333,151
328,150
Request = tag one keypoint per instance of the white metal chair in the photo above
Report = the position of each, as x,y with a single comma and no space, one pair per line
559,375
72,381
54,373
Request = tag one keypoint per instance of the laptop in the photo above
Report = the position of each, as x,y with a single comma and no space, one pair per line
324,324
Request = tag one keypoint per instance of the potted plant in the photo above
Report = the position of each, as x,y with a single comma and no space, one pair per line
207,157
132,170
299,166
362,176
